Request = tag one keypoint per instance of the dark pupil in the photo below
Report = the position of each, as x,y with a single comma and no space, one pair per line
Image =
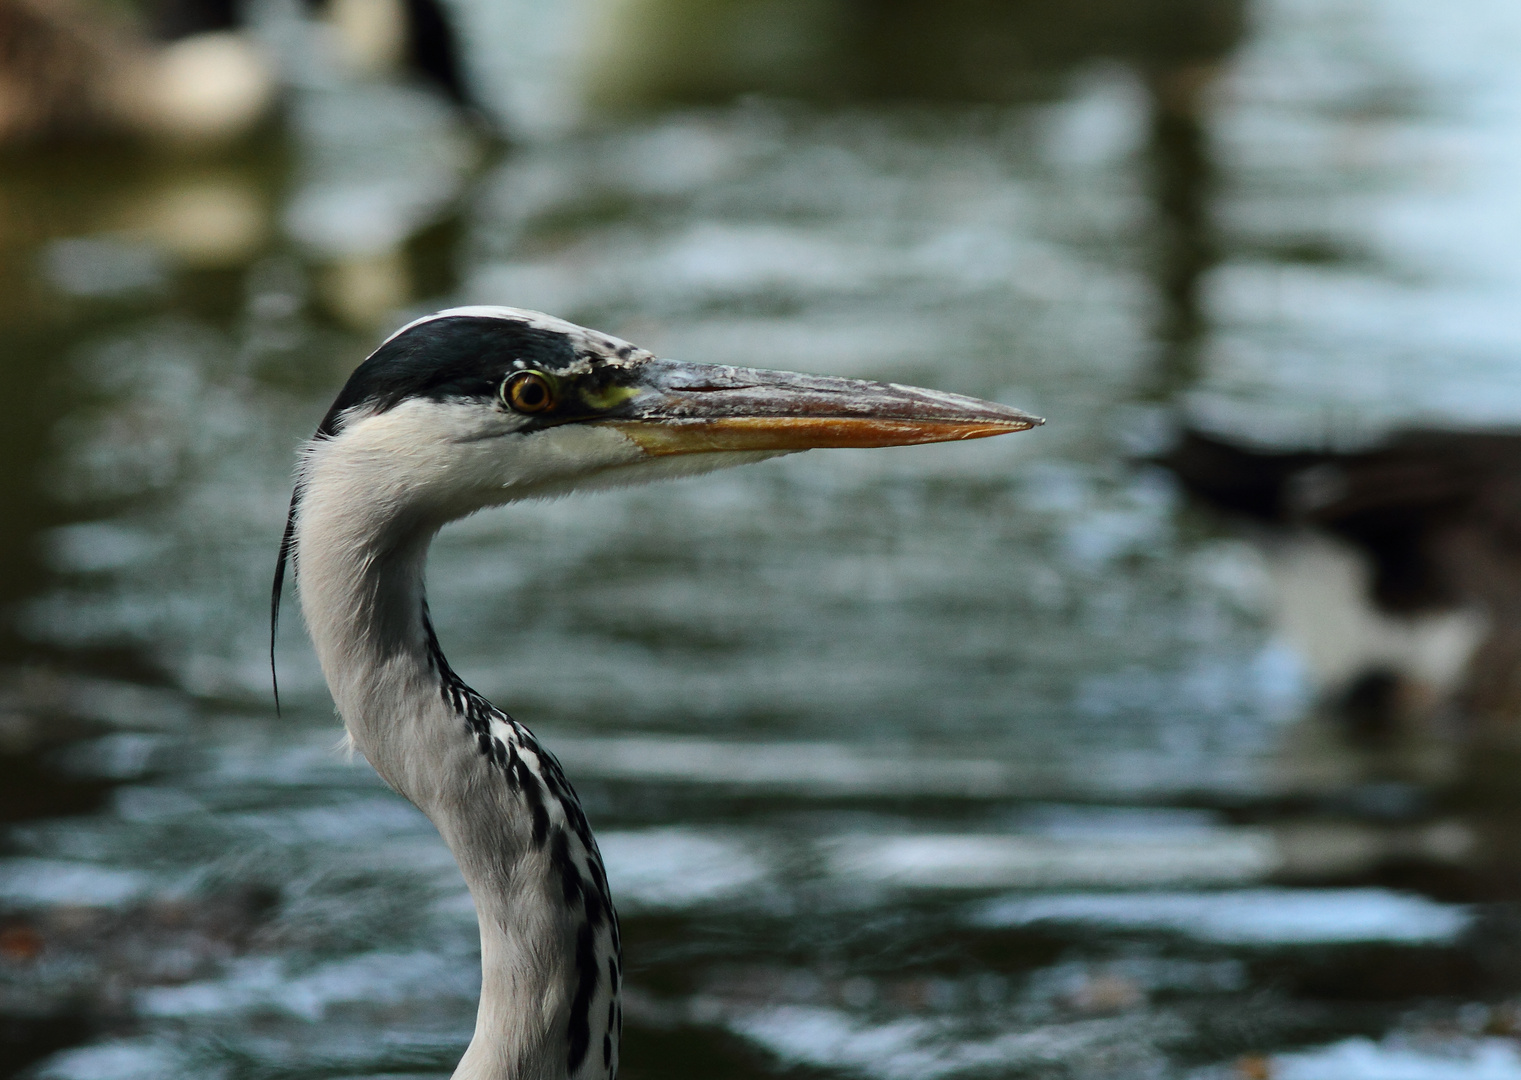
531,393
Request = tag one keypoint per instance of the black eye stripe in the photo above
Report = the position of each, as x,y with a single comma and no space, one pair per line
458,357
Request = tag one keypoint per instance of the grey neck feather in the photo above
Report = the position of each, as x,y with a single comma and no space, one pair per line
549,950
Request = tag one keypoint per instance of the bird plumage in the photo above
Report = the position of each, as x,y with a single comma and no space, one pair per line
475,407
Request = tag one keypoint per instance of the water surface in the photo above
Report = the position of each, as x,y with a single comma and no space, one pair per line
995,759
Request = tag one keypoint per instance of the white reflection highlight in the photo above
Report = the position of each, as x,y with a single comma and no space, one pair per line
677,867
1246,917
941,861
127,1059
1362,1059
818,767
50,882
918,1049
268,985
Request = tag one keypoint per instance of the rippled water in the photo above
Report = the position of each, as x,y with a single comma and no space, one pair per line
989,759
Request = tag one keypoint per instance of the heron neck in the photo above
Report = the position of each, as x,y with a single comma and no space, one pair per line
548,935
365,608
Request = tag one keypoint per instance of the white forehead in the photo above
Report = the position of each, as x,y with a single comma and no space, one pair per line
536,320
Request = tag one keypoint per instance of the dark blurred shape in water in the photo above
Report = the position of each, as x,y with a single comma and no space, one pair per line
1437,516
433,49
849,51
170,20
59,71
80,70
1182,184
25,1040
417,38
198,73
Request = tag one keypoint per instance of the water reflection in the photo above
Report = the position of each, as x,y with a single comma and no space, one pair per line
828,713
656,52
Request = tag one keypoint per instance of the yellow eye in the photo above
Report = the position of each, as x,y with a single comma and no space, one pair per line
528,392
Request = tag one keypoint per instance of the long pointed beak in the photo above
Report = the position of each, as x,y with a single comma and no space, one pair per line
681,408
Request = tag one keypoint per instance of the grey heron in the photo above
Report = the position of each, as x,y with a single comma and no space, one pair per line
476,407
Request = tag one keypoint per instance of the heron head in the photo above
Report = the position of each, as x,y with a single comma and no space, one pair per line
476,406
